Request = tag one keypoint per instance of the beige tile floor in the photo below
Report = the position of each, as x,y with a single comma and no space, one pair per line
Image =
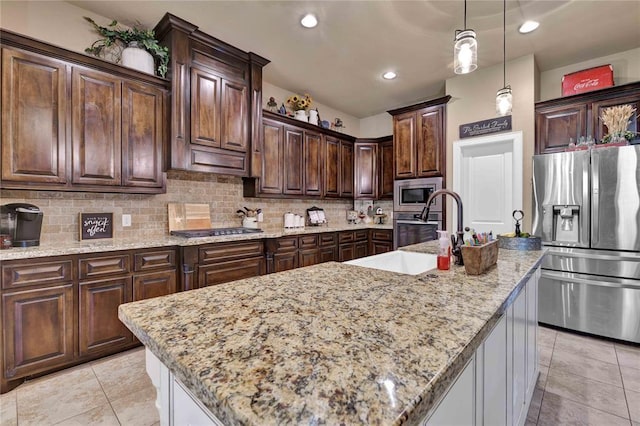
583,381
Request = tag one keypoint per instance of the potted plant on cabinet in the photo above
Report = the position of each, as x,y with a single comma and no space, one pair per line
125,45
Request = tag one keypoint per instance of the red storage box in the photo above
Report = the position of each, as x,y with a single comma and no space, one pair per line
587,80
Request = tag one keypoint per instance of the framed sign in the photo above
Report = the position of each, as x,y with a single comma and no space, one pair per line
485,127
94,226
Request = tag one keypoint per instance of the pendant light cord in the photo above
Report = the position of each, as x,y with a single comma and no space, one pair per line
465,15
504,42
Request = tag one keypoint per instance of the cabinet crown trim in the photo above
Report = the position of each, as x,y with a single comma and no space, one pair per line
433,102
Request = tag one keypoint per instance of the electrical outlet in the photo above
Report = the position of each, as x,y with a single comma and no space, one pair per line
126,220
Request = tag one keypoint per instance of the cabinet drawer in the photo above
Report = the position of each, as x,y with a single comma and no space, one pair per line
161,259
346,237
327,239
382,234
230,271
233,250
362,235
27,273
154,284
287,244
104,265
308,241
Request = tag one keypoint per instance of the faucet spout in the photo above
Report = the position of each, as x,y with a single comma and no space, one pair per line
457,251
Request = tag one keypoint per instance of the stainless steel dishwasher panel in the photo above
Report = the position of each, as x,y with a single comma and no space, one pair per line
603,306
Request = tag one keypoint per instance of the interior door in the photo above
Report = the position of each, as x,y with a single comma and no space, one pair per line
488,178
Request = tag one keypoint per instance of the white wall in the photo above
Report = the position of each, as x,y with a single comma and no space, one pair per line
473,99
376,126
626,69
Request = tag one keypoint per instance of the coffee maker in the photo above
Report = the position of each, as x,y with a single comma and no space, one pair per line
23,222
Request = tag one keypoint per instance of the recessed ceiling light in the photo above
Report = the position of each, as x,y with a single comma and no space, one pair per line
528,26
309,20
389,75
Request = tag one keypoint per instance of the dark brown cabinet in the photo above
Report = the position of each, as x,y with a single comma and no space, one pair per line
381,241
216,98
353,244
75,123
385,169
60,311
560,120
223,262
366,165
34,108
298,161
419,139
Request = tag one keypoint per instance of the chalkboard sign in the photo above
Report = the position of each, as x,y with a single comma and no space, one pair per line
485,127
94,226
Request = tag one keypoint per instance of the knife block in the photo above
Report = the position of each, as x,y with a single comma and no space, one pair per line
478,259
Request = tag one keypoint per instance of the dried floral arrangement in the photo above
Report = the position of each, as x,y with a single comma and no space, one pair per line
298,102
616,119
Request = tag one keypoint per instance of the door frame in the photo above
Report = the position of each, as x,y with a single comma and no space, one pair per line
516,140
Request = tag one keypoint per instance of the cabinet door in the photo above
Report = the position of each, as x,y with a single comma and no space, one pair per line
146,286
34,107
332,172
404,145
99,327
326,254
493,370
235,116
205,108
532,332
142,137
378,247
38,330
346,252
293,161
272,160
366,170
346,169
285,261
599,130
457,407
430,143
308,257
519,341
555,126
312,163
361,249
385,170
96,127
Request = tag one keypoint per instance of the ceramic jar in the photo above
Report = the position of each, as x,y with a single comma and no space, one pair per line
301,115
313,117
137,58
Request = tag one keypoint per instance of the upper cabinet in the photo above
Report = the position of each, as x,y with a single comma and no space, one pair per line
216,102
300,160
571,117
374,168
75,123
419,139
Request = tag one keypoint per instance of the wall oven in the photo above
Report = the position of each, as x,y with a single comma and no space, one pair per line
409,200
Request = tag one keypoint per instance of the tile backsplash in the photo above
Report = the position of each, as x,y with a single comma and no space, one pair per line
149,212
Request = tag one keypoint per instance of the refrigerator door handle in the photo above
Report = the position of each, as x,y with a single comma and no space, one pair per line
595,199
567,277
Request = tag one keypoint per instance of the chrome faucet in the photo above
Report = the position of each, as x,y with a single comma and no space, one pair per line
457,240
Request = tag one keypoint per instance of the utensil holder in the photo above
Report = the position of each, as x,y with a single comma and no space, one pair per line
478,259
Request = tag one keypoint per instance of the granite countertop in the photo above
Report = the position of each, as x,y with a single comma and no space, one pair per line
330,343
93,246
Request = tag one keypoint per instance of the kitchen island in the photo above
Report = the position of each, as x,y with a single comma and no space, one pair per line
335,343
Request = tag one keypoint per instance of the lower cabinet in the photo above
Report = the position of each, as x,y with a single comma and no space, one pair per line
222,262
353,244
222,272
381,241
61,311
496,387
38,330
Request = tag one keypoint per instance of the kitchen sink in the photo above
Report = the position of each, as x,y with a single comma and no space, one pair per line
404,262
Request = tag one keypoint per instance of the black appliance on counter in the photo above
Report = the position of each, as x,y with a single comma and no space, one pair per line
23,222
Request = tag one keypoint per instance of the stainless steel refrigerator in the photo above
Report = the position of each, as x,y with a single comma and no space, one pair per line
587,212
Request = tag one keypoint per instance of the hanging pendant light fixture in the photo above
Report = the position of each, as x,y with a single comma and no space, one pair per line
504,97
465,49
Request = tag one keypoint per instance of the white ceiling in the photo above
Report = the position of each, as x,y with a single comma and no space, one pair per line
340,62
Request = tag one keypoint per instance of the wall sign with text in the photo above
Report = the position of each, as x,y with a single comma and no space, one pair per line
94,226
485,127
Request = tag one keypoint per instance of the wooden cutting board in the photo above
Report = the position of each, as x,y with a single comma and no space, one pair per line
183,216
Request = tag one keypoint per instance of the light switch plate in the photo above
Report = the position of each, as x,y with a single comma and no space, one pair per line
126,220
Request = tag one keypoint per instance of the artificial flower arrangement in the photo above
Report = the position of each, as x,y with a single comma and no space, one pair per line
298,102
616,119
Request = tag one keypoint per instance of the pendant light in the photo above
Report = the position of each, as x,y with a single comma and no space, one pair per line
465,49
504,97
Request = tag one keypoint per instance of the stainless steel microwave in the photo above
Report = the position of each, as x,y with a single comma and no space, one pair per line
411,195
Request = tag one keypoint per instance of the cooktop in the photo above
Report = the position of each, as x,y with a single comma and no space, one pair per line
216,232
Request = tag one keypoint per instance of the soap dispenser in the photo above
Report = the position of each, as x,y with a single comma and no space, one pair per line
444,253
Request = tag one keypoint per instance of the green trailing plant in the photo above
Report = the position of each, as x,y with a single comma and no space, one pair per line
117,38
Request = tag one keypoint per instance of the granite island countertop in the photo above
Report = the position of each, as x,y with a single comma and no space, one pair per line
330,343
94,246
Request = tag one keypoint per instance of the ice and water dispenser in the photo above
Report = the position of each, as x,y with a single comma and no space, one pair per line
566,223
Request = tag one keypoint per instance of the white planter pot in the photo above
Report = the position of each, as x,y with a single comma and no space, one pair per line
137,58
301,115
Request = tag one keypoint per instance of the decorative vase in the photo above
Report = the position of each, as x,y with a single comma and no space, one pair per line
137,58
301,115
313,117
